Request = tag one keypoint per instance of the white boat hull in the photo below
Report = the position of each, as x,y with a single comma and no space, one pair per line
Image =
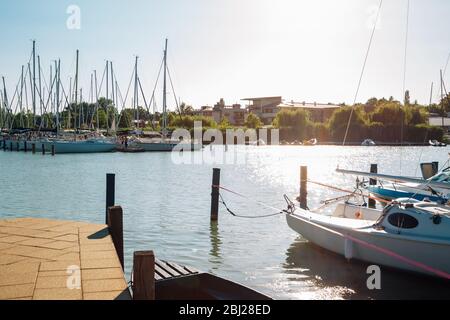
62,147
328,235
167,146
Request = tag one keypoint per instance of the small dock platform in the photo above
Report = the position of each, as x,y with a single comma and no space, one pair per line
44,259
165,270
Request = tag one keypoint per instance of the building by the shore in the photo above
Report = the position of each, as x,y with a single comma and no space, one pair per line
318,112
438,121
266,108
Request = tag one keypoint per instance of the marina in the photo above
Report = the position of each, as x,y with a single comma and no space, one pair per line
133,167
177,226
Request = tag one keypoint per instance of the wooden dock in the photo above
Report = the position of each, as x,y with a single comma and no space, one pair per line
44,259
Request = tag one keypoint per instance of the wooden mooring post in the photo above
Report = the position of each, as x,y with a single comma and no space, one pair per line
110,192
215,195
303,197
53,150
25,146
143,275
33,148
43,149
115,226
18,146
10,146
373,182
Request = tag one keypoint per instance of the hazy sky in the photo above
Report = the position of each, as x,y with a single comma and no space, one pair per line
301,50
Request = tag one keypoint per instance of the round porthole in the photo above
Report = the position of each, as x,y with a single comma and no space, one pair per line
403,220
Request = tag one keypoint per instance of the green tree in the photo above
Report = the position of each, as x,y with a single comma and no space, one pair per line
340,119
253,121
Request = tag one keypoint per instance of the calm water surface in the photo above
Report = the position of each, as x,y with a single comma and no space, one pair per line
166,209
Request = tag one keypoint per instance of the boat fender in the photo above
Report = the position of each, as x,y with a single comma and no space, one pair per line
348,249
358,215
437,219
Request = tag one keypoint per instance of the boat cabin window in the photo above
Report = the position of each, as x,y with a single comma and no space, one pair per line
403,221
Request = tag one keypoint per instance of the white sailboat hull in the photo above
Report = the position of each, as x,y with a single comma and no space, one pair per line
80,146
327,232
167,146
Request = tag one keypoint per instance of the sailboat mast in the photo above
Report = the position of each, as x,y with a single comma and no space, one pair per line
76,88
136,94
112,82
40,87
34,83
58,77
96,100
21,98
5,96
442,100
165,92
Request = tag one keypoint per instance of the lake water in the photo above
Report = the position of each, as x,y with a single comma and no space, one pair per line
166,209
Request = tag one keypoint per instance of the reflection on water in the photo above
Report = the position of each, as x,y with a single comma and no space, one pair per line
334,276
167,209
214,253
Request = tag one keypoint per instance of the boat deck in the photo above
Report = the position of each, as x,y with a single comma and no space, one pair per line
44,259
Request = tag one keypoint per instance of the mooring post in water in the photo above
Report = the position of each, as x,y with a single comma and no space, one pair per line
33,148
53,149
110,192
43,149
10,146
18,145
373,182
143,275
215,195
4,145
25,147
115,226
303,197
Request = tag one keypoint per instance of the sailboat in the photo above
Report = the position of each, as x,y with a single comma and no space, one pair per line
164,143
435,188
409,236
90,143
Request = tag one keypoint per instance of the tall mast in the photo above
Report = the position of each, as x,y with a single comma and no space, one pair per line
112,82
107,80
80,113
34,83
91,99
96,100
165,92
136,94
40,86
69,120
112,97
5,101
442,100
51,93
76,88
58,77
21,98
5,95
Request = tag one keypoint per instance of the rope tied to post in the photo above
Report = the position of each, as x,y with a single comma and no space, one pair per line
289,210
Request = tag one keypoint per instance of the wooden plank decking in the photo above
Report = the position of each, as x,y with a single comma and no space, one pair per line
36,256
165,270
